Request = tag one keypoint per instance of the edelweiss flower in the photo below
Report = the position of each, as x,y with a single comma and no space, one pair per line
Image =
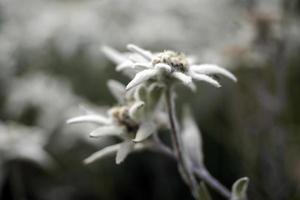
164,67
130,120
22,142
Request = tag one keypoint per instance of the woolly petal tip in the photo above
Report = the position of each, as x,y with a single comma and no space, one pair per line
113,55
145,130
205,78
98,119
239,189
213,69
144,53
141,77
125,148
141,66
106,131
124,65
134,111
163,66
102,153
192,87
185,79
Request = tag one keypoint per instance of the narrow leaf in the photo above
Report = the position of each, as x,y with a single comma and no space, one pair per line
239,189
203,192
192,140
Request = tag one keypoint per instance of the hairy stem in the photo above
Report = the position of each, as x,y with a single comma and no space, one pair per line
206,177
177,145
201,173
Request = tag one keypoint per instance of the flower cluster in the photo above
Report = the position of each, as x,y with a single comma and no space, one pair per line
132,120
166,67
138,115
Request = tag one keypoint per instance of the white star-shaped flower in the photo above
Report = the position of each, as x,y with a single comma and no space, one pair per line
165,67
131,120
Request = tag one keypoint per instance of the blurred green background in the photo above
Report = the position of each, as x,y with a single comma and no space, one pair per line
51,63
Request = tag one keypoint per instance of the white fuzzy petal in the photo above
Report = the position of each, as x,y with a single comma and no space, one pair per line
144,131
155,91
213,69
192,86
117,89
98,119
85,109
146,54
107,131
124,65
125,148
140,93
163,66
102,153
141,77
136,58
185,79
113,55
141,66
134,111
203,77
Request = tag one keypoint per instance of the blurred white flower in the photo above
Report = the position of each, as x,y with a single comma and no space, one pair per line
38,91
22,142
165,67
49,101
131,120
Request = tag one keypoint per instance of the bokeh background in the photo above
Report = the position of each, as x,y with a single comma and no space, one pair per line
51,65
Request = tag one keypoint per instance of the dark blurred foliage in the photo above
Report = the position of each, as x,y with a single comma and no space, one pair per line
250,128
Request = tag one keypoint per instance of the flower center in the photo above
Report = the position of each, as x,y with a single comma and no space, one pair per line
177,61
121,115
